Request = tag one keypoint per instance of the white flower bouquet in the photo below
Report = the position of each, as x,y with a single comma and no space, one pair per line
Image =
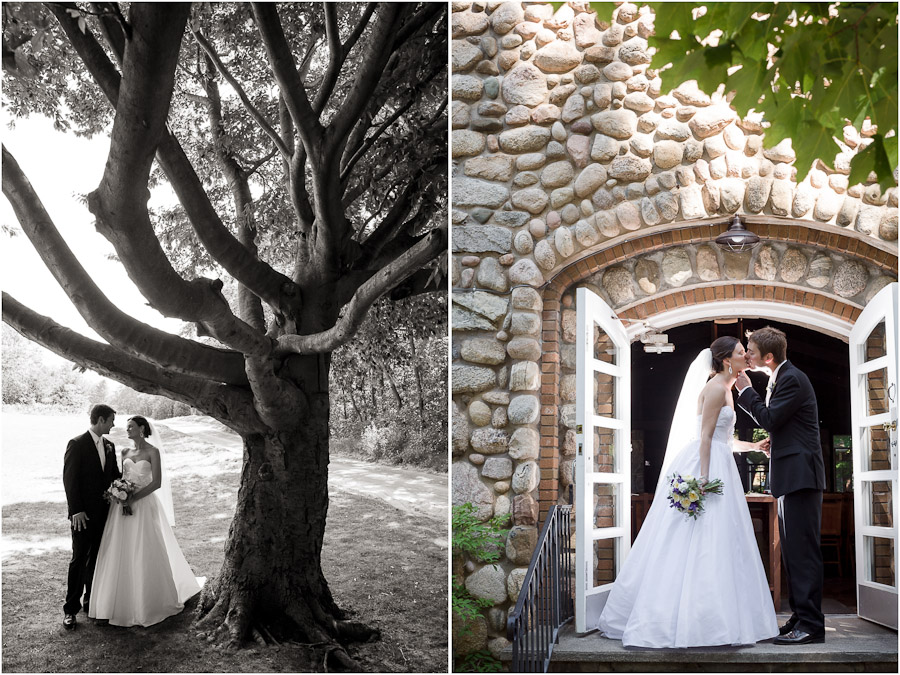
688,494
118,492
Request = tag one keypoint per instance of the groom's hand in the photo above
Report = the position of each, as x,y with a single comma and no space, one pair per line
764,447
79,521
742,381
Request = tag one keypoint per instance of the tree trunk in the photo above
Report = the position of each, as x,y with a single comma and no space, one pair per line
271,586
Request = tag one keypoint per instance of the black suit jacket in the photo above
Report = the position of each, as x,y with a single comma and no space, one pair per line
84,478
792,420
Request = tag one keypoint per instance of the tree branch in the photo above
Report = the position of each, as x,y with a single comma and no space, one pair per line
374,57
119,328
367,143
274,288
354,311
230,405
285,71
248,104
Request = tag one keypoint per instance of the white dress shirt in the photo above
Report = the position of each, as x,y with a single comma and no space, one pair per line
771,384
769,387
101,450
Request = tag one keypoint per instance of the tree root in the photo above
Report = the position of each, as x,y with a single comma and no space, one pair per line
232,620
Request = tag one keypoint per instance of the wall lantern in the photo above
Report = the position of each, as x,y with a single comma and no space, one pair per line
736,238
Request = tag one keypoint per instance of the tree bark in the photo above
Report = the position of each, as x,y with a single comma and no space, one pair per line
278,530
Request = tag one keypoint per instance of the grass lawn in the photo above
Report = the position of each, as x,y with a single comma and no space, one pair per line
387,568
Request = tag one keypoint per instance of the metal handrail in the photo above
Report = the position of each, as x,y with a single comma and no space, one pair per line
545,601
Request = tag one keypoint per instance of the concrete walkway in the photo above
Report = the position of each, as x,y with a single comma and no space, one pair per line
851,645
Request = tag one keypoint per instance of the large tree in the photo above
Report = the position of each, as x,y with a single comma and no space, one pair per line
306,144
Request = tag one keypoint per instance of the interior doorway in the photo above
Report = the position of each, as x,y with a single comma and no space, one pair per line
657,380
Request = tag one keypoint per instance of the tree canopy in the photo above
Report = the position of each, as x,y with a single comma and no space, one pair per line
810,68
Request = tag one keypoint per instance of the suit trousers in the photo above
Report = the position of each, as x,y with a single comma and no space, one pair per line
85,546
800,525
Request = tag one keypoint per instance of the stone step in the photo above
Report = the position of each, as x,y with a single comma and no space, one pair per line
851,645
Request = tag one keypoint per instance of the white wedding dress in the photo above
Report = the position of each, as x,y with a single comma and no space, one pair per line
694,583
141,576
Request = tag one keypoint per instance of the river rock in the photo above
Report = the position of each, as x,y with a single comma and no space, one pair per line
524,85
487,351
850,279
617,282
526,477
524,409
524,444
766,265
707,264
820,271
520,543
467,487
793,266
524,139
489,441
488,583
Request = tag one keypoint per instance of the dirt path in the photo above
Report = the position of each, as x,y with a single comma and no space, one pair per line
412,491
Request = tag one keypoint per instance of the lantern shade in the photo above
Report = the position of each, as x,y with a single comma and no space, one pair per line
736,238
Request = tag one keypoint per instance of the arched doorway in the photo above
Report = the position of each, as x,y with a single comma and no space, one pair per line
609,420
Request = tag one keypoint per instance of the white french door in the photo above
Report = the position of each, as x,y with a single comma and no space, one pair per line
603,459
873,394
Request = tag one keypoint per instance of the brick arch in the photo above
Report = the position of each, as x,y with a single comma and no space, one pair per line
785,230
827,238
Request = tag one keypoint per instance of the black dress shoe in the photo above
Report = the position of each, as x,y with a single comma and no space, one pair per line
788,626
69,622
799,637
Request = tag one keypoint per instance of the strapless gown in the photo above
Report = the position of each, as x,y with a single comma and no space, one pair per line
141,576
694,583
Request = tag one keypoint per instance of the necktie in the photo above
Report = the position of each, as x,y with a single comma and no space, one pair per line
769,388
102,452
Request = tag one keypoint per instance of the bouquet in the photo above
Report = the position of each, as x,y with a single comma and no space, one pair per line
688,494
118,492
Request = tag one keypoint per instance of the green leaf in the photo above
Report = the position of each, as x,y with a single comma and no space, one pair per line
812,142
875,158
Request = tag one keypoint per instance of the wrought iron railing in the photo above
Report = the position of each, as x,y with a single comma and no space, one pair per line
545,602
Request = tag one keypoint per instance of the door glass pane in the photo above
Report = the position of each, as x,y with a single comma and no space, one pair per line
879,559
876,345
876,392
879,502
604,394
606,459
606,552
604,349
876,454
605,505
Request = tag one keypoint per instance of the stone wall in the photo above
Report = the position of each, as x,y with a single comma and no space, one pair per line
565,147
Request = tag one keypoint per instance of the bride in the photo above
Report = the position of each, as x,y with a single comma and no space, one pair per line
142,576
696,583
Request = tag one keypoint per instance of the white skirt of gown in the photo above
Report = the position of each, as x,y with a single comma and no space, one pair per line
142,576
694,583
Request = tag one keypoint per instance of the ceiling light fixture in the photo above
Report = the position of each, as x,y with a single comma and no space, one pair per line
737,238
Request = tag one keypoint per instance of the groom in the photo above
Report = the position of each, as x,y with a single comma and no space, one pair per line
88,469
796,476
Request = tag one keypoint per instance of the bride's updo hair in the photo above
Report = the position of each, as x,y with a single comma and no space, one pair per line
142,423
721,349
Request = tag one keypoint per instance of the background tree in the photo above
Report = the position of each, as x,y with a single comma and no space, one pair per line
390,401
810,68
306,145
